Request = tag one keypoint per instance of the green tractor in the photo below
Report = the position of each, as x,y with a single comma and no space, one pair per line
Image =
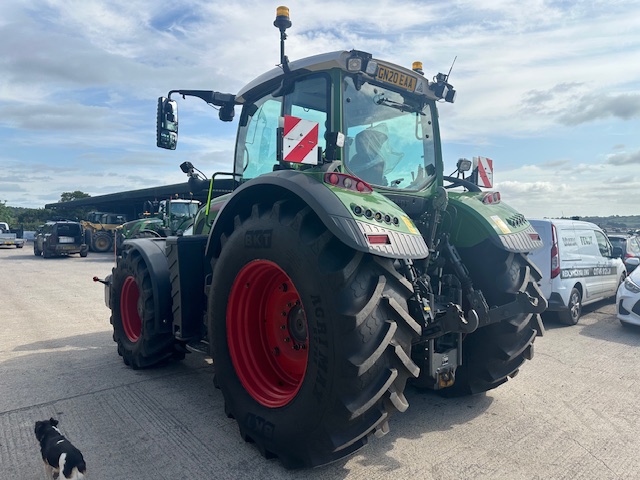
341,266
167,217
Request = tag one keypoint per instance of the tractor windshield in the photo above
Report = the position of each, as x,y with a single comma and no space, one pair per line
184,209
390,139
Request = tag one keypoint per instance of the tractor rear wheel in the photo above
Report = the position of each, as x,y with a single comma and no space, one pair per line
102,242
310,338
493,354
140,342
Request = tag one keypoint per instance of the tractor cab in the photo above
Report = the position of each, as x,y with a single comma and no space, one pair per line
377,120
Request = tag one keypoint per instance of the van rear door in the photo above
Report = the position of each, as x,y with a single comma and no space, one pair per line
541,257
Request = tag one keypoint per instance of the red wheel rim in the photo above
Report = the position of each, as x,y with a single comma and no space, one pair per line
131,322
267,333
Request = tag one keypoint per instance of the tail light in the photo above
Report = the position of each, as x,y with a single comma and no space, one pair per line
628,255
491,198
348,182
555,254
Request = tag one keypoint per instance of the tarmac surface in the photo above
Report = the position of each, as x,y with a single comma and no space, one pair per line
572,412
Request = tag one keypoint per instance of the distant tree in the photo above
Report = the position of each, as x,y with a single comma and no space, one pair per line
31,218
6,214
69,196
72,213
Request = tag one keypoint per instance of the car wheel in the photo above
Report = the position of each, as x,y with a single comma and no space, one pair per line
571,315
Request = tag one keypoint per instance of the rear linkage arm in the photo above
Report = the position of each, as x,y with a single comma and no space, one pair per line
523,303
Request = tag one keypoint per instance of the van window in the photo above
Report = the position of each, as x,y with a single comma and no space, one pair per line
603,244
569,241
587,243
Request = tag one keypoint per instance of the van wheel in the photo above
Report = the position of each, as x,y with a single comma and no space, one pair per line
571,315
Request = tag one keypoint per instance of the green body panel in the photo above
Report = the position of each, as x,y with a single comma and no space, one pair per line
474,221
374,201
136,227
205,218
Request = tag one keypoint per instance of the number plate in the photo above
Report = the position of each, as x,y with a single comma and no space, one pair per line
65,240
397,78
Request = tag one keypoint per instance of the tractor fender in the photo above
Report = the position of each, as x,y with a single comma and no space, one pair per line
474,222
334,214
152,250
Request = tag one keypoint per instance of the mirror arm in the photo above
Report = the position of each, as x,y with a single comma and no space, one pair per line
214,98
226,101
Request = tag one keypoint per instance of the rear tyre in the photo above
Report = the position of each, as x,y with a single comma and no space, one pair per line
102,242
572,314
493,354
311,338
141,341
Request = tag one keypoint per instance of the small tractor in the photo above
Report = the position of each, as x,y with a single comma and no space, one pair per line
100,228
343,265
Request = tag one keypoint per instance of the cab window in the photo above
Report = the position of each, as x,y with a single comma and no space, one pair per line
603,244
256,151
390,140
309,101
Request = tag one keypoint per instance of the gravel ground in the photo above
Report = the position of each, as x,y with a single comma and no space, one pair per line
572,412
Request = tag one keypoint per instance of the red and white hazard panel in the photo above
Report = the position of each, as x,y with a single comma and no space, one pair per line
300,139
484,168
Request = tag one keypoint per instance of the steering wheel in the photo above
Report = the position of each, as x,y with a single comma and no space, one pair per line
460,182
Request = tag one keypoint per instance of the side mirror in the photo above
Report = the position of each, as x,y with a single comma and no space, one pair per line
632,261
167,124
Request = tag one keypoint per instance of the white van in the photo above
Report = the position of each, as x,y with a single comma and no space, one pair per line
578,264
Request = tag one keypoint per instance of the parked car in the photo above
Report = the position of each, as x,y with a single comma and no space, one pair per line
630,245
578,264
628,297
59,238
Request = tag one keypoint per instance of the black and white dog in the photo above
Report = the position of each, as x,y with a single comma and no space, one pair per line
59,455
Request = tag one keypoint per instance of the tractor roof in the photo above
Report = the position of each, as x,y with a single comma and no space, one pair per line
325,61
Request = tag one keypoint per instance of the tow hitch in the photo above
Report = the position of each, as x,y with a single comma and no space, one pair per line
107,289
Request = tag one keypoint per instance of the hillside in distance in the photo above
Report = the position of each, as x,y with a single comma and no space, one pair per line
616,222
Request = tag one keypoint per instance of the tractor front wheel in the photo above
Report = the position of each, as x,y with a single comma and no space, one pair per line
310,338
102,242
141,341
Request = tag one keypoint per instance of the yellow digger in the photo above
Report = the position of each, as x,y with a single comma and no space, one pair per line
100,229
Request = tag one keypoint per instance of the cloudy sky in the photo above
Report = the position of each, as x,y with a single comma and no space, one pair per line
550,90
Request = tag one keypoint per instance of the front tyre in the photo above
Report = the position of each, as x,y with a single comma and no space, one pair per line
311,338
102,242
141,342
